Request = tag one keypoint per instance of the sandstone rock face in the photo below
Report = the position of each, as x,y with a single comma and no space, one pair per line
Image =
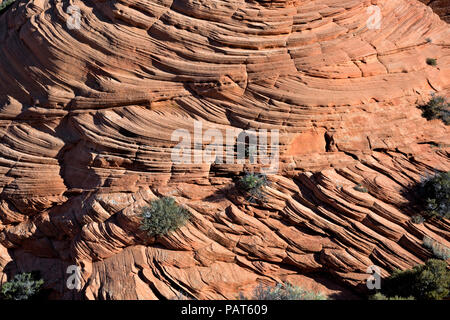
87,117
441,7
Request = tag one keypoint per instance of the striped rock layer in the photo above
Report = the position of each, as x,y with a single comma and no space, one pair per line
87,116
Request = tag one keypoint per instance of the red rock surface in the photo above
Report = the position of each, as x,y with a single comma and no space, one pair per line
87,116
441,7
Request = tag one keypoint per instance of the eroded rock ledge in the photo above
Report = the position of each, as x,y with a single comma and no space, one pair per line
441,7
86,123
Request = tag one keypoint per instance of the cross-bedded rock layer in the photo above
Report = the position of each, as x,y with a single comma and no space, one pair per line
441,7
87,117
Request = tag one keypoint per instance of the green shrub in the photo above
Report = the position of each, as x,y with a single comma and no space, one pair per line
428,40
253,184
434,194
162,216
380,296
431,61
22,287
359,187
436,108
439,250
285,291
430,281
5,4
417,219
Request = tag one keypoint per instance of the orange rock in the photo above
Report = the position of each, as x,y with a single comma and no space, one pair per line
87,117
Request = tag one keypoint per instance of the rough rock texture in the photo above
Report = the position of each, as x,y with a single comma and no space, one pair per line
86,122
441,7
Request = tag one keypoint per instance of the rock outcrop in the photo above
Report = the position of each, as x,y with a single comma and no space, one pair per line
441,7
87,121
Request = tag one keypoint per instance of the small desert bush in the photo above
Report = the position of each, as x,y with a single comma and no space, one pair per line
22,287
359,187
5,4
162,216
430,281
253,184
439,250
436,108
380,296
431,61
285,291
417,219
434,194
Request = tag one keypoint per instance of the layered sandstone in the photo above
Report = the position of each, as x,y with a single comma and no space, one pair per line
441,7
87,117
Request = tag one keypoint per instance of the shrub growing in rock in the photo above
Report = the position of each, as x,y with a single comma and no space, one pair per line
253,184
417,219
5,4
436,108
439,250
359,187
380,296
430,281
22,287
285,291
162,216
434,194
431,61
